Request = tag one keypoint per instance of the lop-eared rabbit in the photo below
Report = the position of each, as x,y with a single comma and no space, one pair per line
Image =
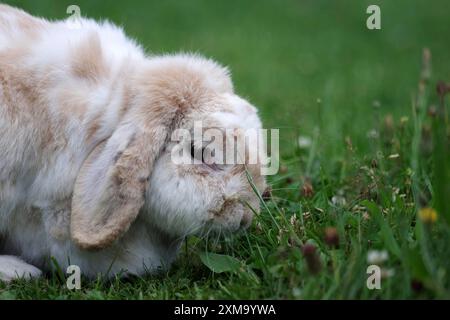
86,169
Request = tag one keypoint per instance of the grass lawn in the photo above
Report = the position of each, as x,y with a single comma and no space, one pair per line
374,152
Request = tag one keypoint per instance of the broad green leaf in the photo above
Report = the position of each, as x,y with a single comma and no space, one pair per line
219,263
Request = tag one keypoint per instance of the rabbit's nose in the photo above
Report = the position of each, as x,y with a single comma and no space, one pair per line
246,220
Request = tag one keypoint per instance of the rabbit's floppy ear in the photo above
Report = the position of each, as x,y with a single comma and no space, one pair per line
111,185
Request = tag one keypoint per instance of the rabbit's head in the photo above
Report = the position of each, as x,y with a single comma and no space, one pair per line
186,156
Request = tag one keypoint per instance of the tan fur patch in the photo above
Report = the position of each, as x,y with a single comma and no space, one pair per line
94,126
73,102
87,59
174,87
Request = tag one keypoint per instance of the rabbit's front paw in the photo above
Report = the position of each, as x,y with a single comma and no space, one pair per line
13,268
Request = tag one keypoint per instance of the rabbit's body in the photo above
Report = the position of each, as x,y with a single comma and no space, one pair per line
68,93
52,115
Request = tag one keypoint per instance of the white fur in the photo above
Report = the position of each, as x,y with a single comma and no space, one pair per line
12,267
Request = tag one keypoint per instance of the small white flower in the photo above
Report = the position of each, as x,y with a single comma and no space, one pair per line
338,201
387,273
373,134
377,257
297,292
304,142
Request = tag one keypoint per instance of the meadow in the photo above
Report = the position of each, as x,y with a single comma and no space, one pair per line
364,141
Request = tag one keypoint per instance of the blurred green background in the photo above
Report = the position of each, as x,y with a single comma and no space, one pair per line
315,70
304,63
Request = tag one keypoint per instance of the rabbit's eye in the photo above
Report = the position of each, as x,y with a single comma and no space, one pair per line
197,153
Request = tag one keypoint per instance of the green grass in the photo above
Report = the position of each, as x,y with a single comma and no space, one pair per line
315,70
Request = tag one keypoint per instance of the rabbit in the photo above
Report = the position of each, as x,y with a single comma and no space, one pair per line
87,175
